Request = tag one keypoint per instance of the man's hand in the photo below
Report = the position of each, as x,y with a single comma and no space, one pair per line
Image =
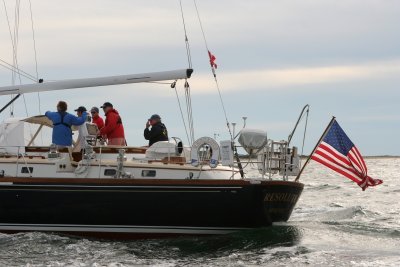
147,124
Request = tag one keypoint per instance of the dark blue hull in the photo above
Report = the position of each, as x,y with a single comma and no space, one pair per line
130,208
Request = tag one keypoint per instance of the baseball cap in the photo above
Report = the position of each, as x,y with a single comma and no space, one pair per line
106,104
81,109
94,109
155,116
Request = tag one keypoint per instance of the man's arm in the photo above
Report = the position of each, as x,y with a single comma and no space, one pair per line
111,124
147,134
155,132
78,120
101,123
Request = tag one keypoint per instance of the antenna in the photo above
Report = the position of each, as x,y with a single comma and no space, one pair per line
244,121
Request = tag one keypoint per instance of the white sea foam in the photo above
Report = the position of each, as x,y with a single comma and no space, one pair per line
334,223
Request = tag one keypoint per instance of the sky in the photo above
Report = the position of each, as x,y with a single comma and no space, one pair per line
274,57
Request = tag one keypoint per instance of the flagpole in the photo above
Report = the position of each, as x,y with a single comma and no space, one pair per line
315,148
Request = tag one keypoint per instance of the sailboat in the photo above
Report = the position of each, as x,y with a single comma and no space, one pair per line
164,190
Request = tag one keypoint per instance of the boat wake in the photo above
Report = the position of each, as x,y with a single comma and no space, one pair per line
248,240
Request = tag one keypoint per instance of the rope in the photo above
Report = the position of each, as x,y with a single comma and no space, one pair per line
12,43
189,57
16,40
188,99
201,25
16,70
305,131
305,127
213,72
189,111
34,40
16,36
26,108
35,52
173,85
15,46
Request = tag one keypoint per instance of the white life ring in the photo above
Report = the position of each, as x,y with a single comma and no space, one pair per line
195,151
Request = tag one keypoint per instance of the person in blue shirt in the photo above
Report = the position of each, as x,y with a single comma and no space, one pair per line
62,122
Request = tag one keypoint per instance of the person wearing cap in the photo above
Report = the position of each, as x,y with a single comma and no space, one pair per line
82,130
158,131
96,119
62,122
113,128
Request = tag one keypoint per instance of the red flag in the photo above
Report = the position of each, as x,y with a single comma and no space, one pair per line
212,60
337,152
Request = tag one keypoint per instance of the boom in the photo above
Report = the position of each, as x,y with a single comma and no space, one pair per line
100,81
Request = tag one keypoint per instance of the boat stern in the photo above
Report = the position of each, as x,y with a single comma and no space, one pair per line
280,199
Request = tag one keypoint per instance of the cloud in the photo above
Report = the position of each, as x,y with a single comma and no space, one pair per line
272,79
281,51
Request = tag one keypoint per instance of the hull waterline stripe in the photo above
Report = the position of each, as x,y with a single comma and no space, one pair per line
118,228
102,188
117,191
125,186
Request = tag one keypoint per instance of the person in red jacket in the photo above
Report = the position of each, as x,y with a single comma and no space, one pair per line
113,128
96,119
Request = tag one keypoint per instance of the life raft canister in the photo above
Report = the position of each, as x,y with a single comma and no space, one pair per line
198,144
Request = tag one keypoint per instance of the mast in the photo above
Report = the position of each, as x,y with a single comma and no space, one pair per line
99,81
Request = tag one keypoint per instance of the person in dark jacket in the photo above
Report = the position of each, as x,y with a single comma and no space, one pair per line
62,122
158,131
113,128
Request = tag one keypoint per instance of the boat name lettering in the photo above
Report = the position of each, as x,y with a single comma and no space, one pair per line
285,197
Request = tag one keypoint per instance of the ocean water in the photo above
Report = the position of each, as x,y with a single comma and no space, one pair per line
335,223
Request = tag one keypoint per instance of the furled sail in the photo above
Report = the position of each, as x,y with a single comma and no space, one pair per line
100,81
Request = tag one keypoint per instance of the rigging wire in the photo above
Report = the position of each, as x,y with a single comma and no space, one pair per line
173,85
189,110
14,36
17,70
213,71
12,43
304,113
304,134
189,57
305,128
16,39
35,52
34,40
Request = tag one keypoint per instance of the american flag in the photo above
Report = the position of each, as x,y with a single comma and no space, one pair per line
337,152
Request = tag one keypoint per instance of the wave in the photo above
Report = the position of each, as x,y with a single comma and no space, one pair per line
322,187
58,249
355,220
247,240
365,228
335,212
